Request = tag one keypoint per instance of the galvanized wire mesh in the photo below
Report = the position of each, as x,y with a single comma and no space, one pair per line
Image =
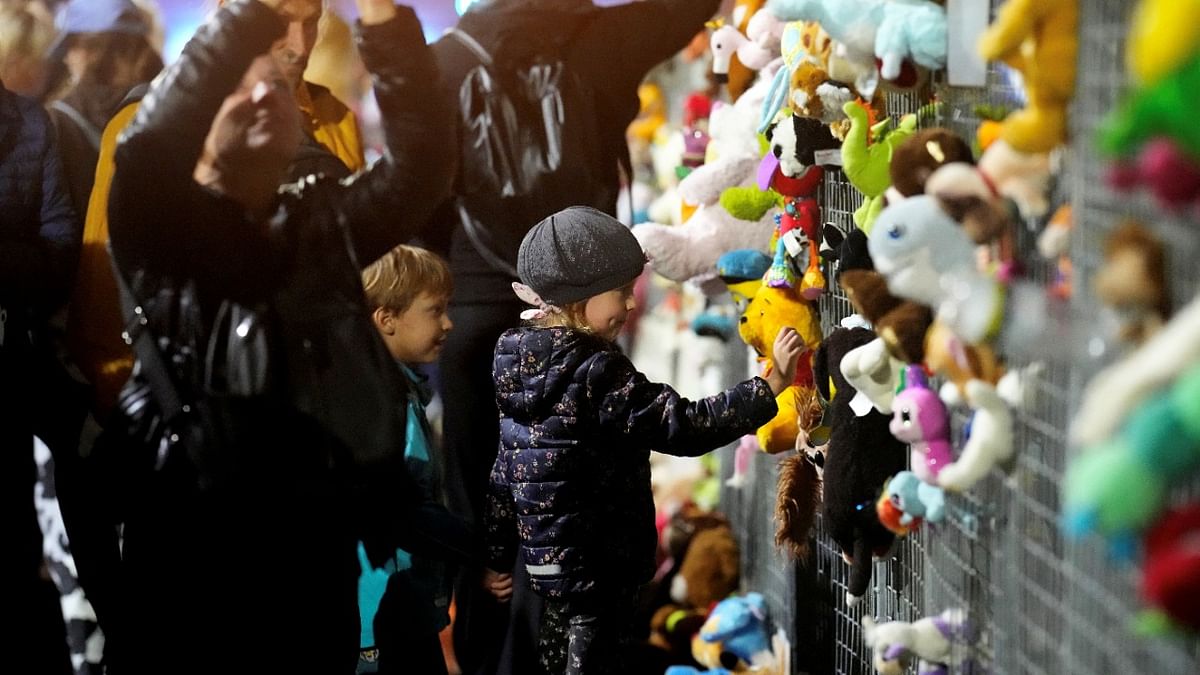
1041,604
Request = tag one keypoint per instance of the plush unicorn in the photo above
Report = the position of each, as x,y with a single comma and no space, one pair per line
919,419
933,640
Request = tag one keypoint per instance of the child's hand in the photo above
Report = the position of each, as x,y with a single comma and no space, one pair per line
499,585
786,354
371,12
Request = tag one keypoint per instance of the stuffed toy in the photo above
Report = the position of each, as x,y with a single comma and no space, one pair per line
892,31
691,250
1133,281
1022,177
923,251
769,311
814,94
742,271
796,498
867,156
809,63
1163,168
907,501
1163,35
939,642
1171,571
742,456
709,570
919,418
790,169
741,78
990,442
1116,391
1037,38
758,47
1054,243
871,370
901,324
700,568
1151,135
914,160
1117,487
738,626
968,196
862,456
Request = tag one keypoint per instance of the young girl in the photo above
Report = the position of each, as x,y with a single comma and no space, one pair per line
578,421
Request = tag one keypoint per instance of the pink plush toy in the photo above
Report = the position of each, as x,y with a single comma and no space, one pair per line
919,418
1167,171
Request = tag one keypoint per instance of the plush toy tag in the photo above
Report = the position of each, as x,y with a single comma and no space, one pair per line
861,405
828,157
966,21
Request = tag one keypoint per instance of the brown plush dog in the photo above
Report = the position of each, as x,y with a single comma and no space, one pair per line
915,160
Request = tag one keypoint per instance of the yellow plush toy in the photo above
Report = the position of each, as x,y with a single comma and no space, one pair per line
770,310
1163,35
1038,38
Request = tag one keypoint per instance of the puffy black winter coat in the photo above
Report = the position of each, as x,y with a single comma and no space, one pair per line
577,423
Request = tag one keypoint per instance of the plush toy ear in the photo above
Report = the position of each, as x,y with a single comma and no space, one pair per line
831,242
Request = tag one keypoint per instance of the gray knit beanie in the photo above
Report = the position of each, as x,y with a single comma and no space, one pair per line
577,253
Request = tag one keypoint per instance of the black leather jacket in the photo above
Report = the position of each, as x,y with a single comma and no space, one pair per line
266,320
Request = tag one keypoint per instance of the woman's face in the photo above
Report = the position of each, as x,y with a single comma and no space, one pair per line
258,125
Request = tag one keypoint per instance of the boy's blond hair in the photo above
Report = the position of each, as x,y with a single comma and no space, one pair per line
395,280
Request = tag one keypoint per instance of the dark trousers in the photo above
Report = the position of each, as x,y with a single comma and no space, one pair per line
404,630
588,636
489,638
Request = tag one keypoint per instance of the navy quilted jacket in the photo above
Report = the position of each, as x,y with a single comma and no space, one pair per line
572,478
39,231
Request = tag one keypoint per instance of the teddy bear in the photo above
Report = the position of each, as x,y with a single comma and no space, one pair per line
707,571
1039,39
767,313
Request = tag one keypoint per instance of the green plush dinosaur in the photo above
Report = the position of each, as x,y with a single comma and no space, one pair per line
748,203
866,156
1165,108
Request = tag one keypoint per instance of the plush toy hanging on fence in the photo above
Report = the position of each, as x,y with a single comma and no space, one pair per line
1037,38
941,643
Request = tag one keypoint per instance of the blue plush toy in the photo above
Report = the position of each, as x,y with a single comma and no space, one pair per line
739,625
914,499
890,30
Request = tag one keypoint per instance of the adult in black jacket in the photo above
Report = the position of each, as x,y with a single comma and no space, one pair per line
609,50
240,548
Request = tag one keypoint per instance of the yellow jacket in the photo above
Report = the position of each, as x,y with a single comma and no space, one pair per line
95,321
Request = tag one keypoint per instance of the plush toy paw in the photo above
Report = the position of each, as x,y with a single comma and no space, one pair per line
991,439
872,372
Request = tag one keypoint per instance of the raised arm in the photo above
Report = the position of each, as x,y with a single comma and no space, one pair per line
654,416
390,203
160,219
628,40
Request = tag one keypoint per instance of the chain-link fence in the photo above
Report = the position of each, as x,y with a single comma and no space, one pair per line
1039,603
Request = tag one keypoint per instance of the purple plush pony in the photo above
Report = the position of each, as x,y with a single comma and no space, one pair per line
919,418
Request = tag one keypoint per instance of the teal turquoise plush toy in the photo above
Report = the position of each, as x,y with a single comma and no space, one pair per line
867,157
1118,487
889,30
